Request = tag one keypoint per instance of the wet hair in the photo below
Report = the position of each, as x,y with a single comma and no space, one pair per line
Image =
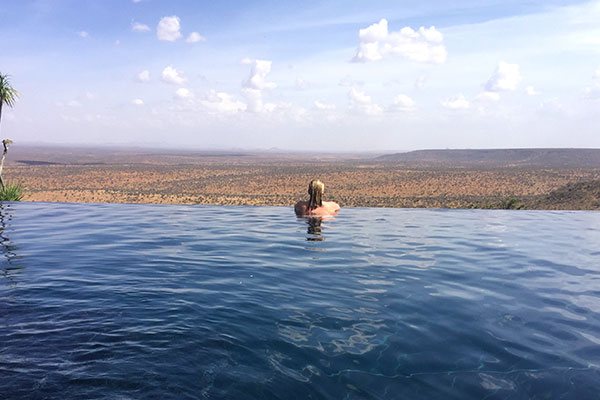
315,190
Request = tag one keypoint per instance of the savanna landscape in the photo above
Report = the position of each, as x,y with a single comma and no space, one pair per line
516,179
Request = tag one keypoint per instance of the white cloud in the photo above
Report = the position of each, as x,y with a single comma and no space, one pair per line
83,34
403,102
74,103
506,77
195,37
144,76
597,76
220,102
136,1
488,96
138,102
531,91
376,42
168,29
138,27
359,101
359,97
255,101
90,95
253,86
258,73
184,93
170,75
457,102
324,106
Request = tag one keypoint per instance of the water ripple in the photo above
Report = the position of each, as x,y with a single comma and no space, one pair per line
148,301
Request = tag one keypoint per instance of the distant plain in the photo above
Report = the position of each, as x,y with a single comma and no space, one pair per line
526,178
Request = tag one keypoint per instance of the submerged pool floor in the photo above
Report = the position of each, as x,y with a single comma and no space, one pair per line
175,302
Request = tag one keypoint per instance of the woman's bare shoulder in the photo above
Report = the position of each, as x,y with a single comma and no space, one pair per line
332,205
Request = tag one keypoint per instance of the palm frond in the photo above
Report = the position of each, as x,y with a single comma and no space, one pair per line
8,95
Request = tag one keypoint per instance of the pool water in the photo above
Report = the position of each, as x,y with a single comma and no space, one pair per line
187,302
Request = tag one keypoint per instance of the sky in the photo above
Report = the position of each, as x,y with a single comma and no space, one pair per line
344,75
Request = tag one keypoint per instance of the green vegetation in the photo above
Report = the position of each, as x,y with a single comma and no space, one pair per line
509,203
11,192
8,96
512,203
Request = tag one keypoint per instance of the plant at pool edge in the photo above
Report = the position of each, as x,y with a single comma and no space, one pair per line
8,96
11,192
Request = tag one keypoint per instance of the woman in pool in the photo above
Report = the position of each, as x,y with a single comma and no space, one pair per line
315,206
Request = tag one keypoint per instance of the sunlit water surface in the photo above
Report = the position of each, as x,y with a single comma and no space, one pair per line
176,302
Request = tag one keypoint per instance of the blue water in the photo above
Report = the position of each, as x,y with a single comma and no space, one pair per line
192,302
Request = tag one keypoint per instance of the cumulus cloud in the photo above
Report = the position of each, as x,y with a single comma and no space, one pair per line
219,102
488,96
74,103
258,74
376,42
143,76
83,34
253,87
361,102
184,93
195,37
168,29
505,78
531,91
138,102
255,101
403,102
138,27
457,102
324,106
172,76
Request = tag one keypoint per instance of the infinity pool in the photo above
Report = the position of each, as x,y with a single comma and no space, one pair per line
188,302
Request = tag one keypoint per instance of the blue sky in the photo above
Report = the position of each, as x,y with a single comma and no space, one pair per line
336,75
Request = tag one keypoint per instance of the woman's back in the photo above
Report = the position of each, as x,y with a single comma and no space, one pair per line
315,206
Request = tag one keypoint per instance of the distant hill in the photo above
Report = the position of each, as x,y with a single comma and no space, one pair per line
574,196
549,158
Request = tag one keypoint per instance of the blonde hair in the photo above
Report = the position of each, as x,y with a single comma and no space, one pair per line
315,190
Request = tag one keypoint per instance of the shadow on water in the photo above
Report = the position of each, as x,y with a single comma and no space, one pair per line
10,268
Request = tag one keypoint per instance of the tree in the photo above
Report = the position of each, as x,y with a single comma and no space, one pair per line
8,96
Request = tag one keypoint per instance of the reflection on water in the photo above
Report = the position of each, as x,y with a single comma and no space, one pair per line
315,231
9,269
171,302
